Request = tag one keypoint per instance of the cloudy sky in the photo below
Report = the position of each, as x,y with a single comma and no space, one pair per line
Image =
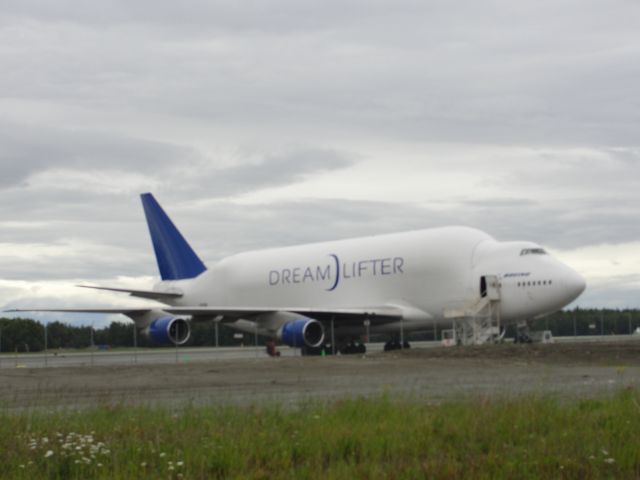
270,123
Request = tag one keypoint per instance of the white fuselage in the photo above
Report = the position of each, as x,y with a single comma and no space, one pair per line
429,270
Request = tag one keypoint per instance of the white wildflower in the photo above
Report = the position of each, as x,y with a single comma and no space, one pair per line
48,454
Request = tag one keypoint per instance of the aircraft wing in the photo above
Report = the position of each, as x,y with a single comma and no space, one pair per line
376,315
383,314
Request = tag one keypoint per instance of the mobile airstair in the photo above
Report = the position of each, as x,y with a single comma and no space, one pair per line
479,322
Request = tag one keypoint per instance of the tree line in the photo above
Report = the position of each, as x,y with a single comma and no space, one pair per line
28,335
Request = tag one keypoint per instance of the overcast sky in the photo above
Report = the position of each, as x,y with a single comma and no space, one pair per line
270,123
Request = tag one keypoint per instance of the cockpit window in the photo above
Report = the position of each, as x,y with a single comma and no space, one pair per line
533,251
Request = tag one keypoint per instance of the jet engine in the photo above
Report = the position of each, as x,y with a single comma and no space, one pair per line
168,330
304,332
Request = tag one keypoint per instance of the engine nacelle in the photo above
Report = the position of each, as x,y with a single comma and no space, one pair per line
304,332
168,331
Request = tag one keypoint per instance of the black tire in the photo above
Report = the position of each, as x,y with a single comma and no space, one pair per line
392,345
352,349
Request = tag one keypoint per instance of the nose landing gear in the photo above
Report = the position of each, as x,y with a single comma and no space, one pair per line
523,333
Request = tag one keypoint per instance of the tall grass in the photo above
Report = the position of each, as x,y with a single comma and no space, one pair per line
384,437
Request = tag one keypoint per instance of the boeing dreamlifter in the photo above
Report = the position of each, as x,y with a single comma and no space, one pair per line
327,295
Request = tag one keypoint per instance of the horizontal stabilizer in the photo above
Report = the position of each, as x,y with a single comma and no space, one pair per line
122,310
138,293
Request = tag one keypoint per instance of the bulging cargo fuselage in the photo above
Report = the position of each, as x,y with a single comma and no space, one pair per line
429,271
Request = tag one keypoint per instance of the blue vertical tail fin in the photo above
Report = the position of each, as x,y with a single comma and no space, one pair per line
176,259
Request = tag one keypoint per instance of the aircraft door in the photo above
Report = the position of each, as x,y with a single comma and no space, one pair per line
490,287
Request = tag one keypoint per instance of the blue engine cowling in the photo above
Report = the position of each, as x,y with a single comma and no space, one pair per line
302,333
169,331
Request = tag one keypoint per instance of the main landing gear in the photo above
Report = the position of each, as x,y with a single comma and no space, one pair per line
395,345
272,348
353,348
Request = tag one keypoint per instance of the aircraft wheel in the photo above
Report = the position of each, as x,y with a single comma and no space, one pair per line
349,349
393,345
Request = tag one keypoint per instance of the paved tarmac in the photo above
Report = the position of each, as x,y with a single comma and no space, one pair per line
152,356
245,376
159,356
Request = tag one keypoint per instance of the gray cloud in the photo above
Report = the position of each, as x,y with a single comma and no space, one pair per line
494,73
277,170
29,149
205,102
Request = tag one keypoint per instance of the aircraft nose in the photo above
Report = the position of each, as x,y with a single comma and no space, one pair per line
574,284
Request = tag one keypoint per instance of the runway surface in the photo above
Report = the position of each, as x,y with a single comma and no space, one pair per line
158,356
246,376
154,356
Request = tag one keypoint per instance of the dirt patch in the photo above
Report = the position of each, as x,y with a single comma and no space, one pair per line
580,353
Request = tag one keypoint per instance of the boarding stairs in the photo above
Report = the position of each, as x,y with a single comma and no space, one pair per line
478,322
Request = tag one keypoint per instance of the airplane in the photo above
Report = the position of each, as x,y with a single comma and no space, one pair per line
323,297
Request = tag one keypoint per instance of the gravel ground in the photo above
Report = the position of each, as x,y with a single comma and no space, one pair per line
433,374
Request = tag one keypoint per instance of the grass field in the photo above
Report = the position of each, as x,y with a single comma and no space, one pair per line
384,437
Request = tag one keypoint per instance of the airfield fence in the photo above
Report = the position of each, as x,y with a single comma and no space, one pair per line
46,344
